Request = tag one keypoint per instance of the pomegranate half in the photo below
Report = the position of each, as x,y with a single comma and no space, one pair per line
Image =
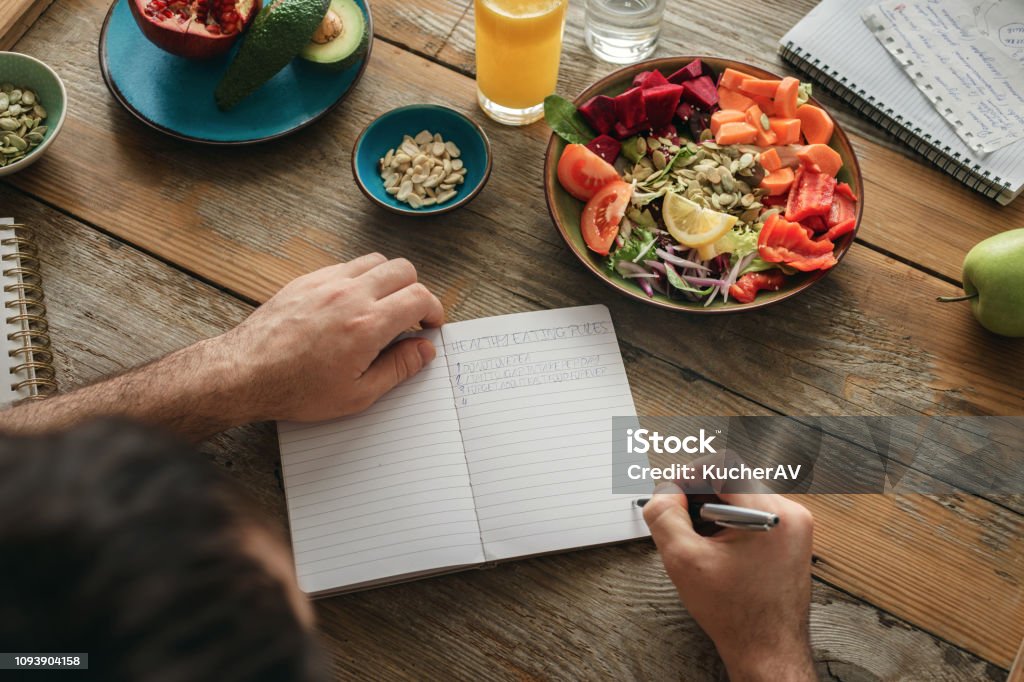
194,29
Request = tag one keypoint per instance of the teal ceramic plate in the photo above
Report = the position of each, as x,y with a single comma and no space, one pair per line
175,95
565,210
387,132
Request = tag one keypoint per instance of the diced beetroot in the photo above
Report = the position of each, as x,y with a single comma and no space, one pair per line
660,103
669,131
701,93
649,79
622,132
684,111
629,108
699,122
606,147
599,112
689,72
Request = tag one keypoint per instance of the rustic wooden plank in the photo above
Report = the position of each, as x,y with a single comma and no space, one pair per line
422,26
912,209
1017,671
884,547
540,618
16,17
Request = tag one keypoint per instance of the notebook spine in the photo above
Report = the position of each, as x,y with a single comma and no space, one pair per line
950,161
33,371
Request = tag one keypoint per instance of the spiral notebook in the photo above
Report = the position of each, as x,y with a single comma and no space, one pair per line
28,361
837,50
501,448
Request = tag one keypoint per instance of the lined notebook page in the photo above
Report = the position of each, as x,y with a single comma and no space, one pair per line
834,34
384,493
535,394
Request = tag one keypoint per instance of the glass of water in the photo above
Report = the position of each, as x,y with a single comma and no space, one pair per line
623,31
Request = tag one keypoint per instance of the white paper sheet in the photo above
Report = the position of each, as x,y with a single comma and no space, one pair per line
383,493
536,393
966,56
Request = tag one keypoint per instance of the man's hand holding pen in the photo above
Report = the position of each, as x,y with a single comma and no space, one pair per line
749,591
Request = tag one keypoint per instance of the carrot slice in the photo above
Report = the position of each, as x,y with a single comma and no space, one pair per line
770,160
821,158
786,129
765,138
759,87
732,79
731,99
778,181
725,116
786,97
736,133
767,104
816,125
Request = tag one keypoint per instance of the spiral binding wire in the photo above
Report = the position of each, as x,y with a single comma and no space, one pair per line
948,160
35,370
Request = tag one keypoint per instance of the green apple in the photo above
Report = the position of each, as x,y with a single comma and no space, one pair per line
993,276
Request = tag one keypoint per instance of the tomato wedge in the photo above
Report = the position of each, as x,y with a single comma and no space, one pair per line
602,215
782,241
582,172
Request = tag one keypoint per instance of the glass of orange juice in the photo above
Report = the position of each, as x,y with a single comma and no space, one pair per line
518,46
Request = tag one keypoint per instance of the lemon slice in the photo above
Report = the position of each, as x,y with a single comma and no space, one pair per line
690,224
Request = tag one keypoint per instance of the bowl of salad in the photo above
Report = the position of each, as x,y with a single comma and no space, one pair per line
702,184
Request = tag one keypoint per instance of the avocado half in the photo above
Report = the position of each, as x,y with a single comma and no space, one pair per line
341,39
278,33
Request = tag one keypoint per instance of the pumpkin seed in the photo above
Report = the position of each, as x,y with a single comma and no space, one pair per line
659,159
15,96
39,111
28,98
8,124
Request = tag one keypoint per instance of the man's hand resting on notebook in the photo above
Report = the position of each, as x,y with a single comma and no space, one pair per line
750,591
317,349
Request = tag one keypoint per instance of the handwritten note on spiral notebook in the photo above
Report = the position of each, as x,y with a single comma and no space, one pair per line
501,448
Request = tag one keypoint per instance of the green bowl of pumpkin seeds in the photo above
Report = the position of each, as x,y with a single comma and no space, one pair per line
33,103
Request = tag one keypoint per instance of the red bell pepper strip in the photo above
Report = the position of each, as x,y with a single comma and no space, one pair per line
746,287
845,190
782,241
811,194
837,231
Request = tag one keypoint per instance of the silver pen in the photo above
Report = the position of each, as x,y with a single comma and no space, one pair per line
727,515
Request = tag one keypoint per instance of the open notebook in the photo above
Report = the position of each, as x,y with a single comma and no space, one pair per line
500,448
834,46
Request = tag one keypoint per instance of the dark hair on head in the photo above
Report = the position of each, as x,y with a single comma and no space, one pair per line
122,543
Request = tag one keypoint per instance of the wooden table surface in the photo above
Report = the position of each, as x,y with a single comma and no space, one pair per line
149,244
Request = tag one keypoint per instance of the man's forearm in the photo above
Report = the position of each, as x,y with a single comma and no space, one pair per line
194,392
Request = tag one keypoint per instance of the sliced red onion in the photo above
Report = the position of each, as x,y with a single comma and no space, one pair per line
682,262
655,265
642,275
626,268
646,287
703,281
